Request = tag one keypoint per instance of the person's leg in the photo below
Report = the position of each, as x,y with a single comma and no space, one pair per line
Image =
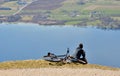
84,60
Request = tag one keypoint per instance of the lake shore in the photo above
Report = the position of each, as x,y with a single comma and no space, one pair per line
59,72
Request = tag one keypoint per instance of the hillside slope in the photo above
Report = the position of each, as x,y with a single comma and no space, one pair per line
45,68
45,64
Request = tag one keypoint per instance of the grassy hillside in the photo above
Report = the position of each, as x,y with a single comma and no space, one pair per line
44,64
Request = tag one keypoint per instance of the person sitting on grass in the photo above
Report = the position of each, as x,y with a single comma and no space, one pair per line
80,54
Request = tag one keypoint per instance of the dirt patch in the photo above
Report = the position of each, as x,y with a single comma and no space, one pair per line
58,72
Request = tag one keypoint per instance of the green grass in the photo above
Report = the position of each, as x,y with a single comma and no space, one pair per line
33,11
7,12
94,23
72,23
44,64
108,2
70,6
110,11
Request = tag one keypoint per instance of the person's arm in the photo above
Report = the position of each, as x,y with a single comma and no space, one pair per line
75,53
83,54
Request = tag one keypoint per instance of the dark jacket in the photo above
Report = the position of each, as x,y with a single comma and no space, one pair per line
80,53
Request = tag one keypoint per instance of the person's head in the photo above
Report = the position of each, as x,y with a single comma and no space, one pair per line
81,45
49,53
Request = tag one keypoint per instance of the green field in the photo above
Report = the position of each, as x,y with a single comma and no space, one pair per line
107,7
13,5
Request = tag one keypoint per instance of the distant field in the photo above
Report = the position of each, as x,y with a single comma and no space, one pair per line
44,5
95,7
72,11
13,5
56,6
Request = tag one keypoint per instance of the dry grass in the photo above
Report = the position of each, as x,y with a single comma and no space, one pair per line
45,68
27,18
45,64
116,18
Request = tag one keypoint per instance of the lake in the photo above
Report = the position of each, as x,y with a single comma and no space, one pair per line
24,41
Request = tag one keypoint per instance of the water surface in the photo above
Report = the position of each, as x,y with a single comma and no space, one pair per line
30,41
